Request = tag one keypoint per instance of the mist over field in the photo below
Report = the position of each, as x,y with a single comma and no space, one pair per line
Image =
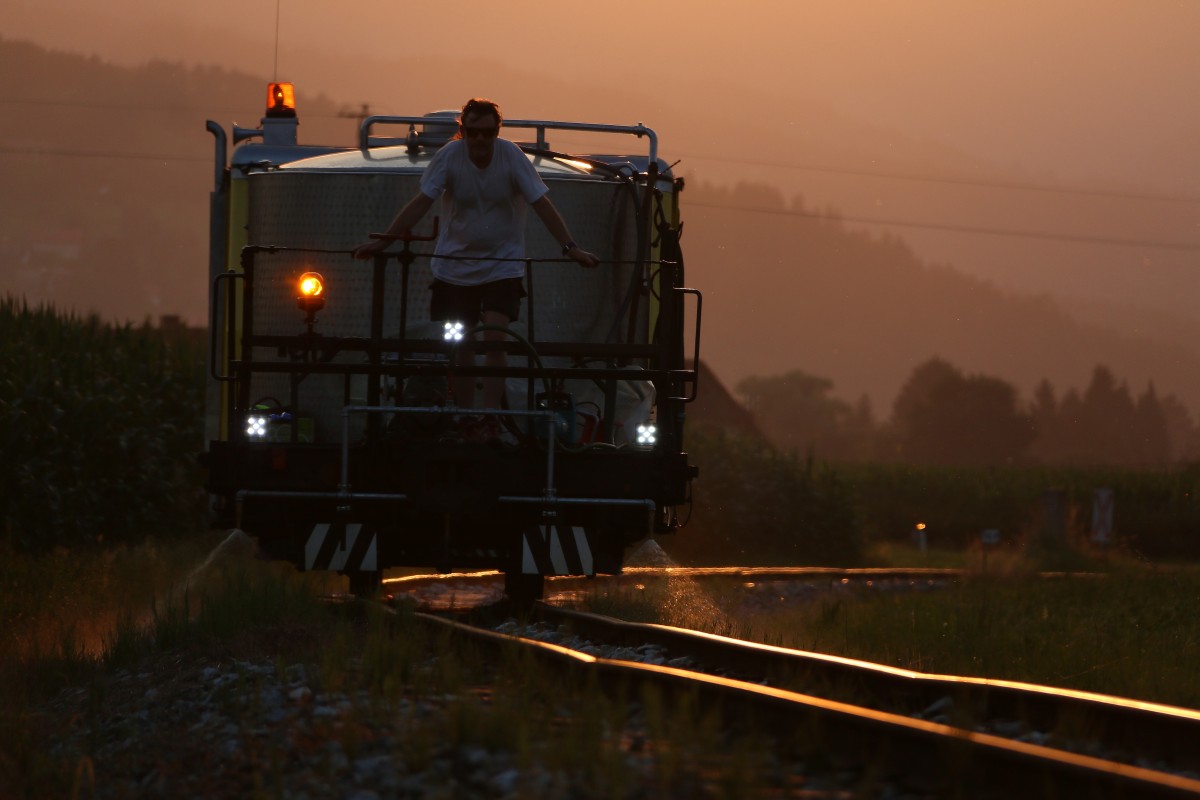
1009,186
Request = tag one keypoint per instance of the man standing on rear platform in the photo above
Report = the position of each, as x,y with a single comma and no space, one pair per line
485,184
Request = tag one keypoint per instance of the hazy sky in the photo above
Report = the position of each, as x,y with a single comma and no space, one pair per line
922,112
1083,89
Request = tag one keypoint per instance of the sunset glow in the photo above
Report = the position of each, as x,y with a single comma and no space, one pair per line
1022,167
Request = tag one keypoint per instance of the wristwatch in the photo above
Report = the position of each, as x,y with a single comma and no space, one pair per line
568,247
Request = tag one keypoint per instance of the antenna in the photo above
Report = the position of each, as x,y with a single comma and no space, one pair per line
275,74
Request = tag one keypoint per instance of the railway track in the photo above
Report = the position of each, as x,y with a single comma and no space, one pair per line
476,588
1117,729
463,590
926,734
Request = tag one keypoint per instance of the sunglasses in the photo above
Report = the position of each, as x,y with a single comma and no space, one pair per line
479,133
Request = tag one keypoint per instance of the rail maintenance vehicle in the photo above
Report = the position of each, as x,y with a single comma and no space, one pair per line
330,413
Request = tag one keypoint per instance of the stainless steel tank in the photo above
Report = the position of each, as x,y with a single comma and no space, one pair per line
329,204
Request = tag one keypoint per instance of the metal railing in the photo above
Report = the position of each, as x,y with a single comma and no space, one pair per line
398,357
549,499
541,126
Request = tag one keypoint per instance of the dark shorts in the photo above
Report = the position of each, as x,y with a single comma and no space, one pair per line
467,303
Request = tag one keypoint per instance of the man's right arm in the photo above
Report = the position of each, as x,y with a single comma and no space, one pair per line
409,216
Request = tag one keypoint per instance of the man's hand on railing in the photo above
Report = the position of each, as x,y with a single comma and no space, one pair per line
371,248
583,257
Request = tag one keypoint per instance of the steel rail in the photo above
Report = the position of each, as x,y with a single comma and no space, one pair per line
1156,733
738,573
924,755
760,573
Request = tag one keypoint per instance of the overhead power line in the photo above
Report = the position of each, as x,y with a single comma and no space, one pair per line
896,223
154,108
970,229
46,151
863,173
954,181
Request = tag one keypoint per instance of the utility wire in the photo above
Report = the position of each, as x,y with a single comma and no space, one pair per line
44,151
971,229
896,223
986,184
898,176
154,109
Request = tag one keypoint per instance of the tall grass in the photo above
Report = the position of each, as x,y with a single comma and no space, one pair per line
440,702
69,619
754,504
1156,513
1130,633
99,427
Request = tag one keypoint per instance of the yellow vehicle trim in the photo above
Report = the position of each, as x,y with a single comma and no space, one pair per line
239,214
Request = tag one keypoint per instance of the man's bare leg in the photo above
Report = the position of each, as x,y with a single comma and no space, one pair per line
493,388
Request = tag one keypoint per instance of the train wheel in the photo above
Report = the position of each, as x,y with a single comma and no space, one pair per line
365,584
523,589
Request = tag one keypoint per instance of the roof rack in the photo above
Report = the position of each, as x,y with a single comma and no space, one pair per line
541,126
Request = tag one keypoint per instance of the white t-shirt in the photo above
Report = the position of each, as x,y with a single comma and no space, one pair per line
483,212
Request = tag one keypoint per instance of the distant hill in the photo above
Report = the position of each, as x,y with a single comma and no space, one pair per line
107,170
786,287
104,206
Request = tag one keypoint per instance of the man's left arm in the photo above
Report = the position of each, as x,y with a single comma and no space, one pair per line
558,229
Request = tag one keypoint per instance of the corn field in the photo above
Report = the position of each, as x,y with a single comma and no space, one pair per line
1155,512
100,425
99,429
757,505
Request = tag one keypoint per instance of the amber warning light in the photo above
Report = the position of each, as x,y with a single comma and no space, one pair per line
281,100
311,292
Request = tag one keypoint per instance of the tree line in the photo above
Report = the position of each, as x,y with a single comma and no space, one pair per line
943,416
